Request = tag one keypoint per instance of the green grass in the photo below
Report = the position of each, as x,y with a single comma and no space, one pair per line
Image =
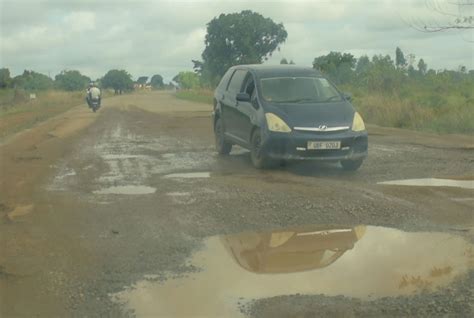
18,112
418,109
196,95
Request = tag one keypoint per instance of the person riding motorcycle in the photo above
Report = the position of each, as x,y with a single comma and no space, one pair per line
93,93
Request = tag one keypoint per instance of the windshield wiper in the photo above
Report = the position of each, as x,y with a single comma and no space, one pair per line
330,98
299,100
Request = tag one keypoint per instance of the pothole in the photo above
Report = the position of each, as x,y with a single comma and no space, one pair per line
188,175
127,189
433,182
363,262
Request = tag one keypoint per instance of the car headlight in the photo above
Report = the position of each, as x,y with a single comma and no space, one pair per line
277,124
358,123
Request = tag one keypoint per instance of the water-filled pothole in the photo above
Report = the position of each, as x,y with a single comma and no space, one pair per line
188,175
364,262
127,189
433,182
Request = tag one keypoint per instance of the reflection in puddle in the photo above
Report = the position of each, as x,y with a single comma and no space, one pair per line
188,175
129,189
362,262
433,182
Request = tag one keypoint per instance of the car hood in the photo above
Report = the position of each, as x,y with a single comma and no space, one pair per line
315,114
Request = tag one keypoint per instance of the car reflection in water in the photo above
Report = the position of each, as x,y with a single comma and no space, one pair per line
297,250
363,262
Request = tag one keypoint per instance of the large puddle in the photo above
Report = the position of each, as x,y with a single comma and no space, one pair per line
128,189
433,182
365,262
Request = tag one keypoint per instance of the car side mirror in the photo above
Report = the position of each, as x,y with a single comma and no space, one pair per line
243,97
347,96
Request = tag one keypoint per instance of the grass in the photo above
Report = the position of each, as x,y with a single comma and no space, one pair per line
196,95
18,112
418,110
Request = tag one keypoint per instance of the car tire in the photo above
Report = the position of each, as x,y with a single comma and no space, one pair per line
259,159
351,165
223,147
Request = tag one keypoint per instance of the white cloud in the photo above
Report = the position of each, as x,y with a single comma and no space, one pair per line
80,21
147,37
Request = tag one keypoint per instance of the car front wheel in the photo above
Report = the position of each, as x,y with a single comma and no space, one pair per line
259,159
351,165
223,147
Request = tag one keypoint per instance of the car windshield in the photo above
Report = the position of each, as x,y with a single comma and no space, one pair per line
299,90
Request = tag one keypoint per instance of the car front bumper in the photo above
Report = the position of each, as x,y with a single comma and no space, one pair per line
293,146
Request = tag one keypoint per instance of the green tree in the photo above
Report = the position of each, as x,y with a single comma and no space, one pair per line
187,80
283,61
292,63
156,81
30,80
400,60
71,80
5,79
338,66
119,80
422,67
238,38
142,80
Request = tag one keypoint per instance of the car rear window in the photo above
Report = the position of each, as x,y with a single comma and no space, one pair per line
299,90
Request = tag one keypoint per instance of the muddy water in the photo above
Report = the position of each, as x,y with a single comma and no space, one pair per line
128,189
433,182
189,175
362,262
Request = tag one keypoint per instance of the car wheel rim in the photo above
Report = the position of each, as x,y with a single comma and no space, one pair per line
219,138
257,147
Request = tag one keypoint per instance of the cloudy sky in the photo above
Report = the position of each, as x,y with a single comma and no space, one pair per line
147,37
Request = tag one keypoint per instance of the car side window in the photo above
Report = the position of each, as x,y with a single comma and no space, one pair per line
249,86
225,80
236,81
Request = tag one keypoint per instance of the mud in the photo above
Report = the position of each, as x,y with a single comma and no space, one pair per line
75,248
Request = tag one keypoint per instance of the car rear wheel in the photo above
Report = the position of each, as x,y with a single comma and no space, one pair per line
223,147
259,159
351,165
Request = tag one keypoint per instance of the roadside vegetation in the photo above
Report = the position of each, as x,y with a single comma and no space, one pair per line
19,111
399,91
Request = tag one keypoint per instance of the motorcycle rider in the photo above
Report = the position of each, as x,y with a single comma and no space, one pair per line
93,93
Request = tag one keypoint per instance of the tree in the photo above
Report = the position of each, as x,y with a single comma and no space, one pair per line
363,65
292,63
400,61
5,79
338,66
451,15
142,80
283,61
119,80
238,38
31,80
157,81
187,80
71,80
422,67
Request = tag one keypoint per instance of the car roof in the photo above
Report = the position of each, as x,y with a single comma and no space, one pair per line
264,71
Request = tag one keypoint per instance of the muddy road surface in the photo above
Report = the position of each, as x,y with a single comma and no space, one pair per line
130,212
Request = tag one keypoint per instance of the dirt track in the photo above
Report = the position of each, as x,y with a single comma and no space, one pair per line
92,204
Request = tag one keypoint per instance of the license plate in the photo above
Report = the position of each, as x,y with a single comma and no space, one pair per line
322,145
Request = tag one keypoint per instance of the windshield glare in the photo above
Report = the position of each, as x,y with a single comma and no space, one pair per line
299,90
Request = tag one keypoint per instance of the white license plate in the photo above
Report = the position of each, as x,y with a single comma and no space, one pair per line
321,145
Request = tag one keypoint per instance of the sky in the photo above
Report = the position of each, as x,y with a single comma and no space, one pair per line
148,37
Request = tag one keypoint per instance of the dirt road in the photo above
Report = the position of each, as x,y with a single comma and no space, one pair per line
130,212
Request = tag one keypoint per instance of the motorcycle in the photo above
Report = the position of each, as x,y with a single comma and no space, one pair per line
94,104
